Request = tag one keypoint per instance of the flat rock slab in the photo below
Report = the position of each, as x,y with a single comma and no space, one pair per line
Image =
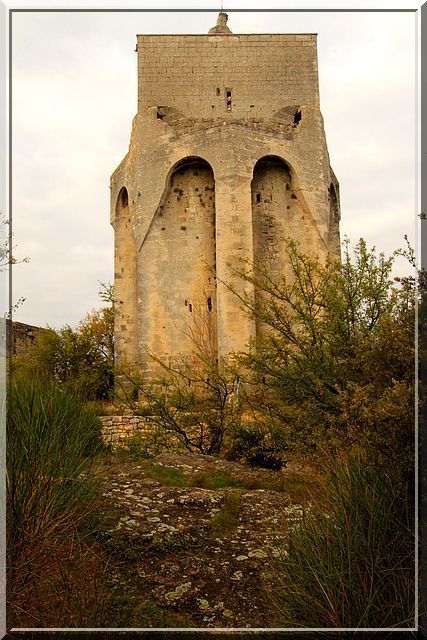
204,553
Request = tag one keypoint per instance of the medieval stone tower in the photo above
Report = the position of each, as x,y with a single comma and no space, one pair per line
227,157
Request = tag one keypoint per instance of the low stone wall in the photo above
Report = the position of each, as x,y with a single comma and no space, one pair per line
116,430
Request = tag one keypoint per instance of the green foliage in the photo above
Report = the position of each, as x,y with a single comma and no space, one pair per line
81,360
335,361
350,562
150,443
136,447
259,445
51,438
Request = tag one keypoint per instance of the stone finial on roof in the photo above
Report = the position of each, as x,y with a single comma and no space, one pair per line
221,24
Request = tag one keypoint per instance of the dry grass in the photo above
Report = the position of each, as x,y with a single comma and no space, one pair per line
62,582
350,562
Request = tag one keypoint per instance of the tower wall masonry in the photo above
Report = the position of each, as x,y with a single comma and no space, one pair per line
227,157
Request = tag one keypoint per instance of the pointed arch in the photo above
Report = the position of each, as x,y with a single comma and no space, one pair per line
274,212
278,213
125,283
179,257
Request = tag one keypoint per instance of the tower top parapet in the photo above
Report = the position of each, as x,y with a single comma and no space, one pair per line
221,25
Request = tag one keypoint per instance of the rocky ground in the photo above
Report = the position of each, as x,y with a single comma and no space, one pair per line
193,539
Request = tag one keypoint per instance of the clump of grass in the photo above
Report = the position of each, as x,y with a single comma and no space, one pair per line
228,518
65,584
299,489
130,610
169,476
51,438
213,480
350,563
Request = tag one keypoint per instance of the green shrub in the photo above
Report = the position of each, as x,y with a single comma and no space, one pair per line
350,562
259,446
82,359
192,403
151,442
135,446
197,400
334,364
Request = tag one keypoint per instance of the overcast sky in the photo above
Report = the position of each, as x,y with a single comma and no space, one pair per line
74,97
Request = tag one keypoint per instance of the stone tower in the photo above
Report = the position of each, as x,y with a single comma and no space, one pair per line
227,157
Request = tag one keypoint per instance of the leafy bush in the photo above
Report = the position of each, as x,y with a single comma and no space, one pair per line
350,562
334,362
82,359
258,446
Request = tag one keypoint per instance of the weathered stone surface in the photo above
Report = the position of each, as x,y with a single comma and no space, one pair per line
227,157
24,337
172,546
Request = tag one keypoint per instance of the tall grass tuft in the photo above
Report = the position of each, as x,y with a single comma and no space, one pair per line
350,562
51,438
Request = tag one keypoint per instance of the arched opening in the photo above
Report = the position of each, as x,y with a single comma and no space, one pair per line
277,214
191,161
274,210
125,283
179,258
